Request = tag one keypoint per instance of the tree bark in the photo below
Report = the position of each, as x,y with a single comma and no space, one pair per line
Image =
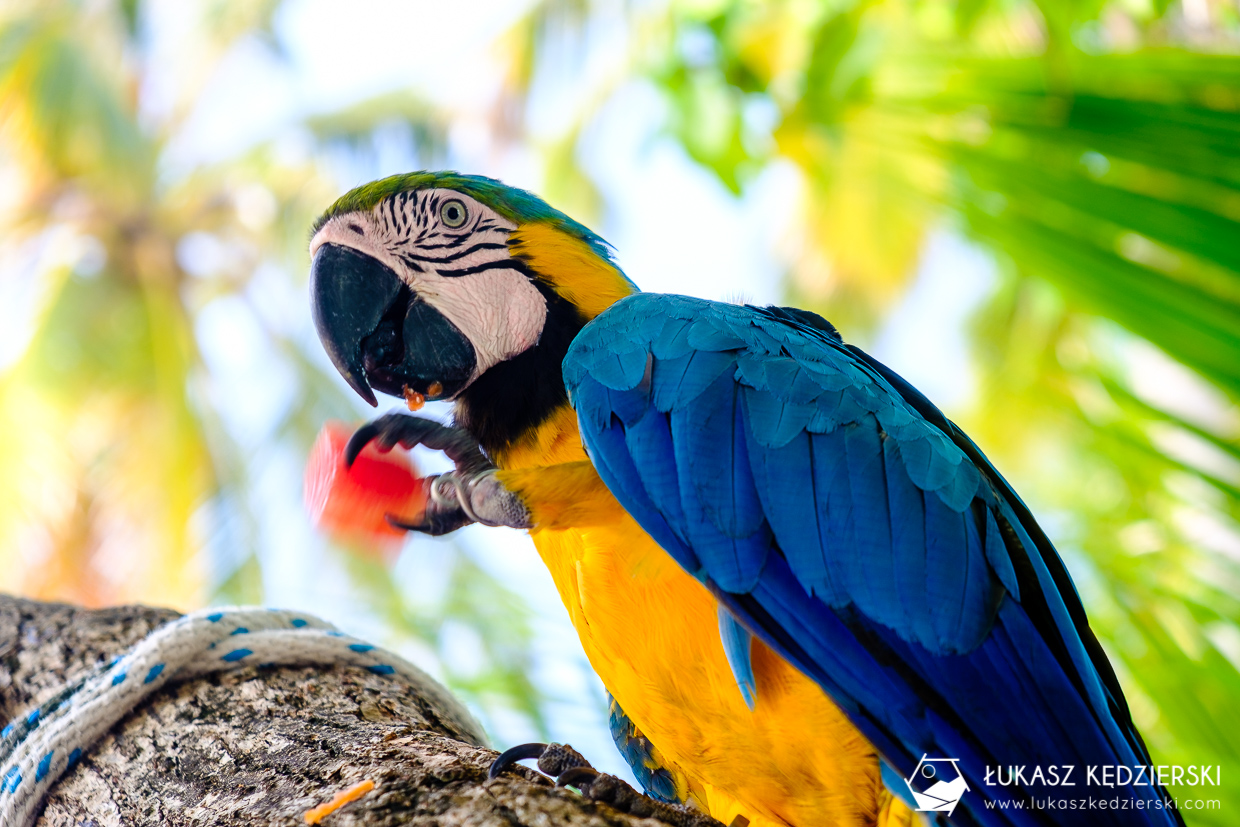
262,746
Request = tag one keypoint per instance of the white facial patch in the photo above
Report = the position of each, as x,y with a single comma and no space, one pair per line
452,251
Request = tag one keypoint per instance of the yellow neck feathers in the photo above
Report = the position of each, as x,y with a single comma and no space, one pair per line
570,267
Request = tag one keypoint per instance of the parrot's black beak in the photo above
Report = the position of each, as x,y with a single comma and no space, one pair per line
349,295
379,334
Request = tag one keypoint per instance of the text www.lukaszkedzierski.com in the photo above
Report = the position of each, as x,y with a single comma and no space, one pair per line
1104,804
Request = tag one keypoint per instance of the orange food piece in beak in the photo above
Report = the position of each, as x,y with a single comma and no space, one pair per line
351,504
413,399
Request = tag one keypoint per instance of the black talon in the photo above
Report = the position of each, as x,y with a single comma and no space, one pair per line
360,439
511,756
397,522
433,525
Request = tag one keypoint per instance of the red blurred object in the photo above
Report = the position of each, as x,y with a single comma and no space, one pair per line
351,503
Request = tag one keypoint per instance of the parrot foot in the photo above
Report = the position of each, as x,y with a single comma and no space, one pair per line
571,769
458,499
470,494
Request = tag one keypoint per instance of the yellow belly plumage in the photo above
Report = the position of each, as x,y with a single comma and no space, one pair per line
651,633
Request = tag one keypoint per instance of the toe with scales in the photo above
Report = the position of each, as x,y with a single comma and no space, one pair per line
571,769
396,428
469,494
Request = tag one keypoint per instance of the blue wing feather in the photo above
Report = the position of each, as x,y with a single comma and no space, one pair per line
908,540
652,437
946,565
772,420
620,370
869,577
845,521
736,642
678,381
997,556
720,504
835,509
673,340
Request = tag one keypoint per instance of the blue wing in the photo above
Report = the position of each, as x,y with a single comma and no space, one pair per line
846,522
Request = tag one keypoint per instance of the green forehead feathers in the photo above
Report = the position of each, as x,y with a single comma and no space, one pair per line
517,205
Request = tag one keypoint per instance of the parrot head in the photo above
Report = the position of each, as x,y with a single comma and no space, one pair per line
438,285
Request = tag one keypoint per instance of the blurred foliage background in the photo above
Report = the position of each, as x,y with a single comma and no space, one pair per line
160,383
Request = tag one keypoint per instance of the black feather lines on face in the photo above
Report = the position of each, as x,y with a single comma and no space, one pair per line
516,396
416,237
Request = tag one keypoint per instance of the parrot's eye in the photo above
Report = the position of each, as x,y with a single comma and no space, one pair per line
453,213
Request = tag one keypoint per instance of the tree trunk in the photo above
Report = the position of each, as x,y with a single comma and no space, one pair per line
262,746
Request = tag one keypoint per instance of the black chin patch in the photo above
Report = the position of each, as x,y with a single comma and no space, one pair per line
511,399
417,347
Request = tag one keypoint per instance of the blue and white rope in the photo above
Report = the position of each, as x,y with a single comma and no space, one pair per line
37,748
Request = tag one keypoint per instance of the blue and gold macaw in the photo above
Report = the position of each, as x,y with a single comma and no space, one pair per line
799,582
